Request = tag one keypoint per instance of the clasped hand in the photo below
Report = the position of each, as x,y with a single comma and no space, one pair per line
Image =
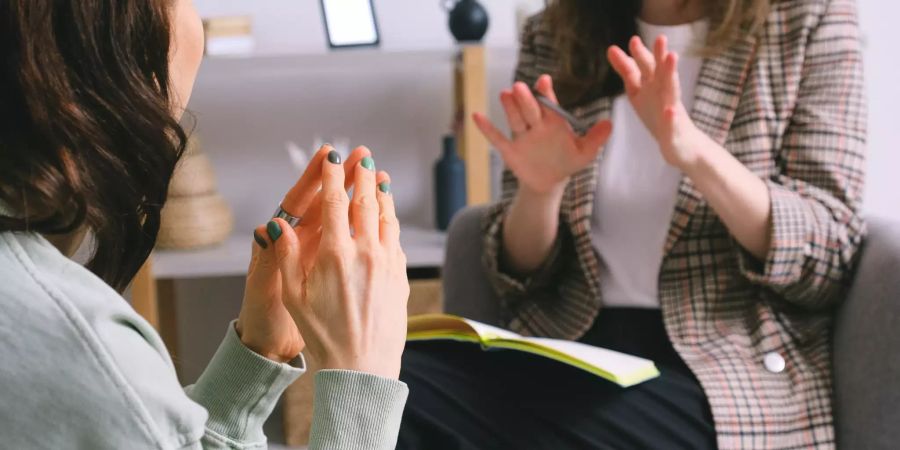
336,284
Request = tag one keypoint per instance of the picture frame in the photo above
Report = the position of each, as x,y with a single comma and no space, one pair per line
350,23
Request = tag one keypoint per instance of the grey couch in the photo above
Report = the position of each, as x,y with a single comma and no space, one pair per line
866,342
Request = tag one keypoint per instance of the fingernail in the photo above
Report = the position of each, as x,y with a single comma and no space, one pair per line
274,230
385,187
368,163
259,240
334,157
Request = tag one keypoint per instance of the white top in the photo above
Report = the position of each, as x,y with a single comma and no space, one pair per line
636,189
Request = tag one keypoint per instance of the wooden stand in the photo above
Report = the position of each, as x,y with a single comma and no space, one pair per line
471,97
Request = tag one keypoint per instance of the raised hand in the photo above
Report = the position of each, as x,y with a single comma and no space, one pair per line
350,303
264,325
544,151
652,85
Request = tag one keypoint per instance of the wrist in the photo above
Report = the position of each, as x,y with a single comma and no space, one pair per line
699,151
248,341
552,196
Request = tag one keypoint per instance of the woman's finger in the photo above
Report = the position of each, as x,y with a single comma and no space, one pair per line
513,115
357,155
625,66
671,83
544,86
335,204
301,195
259,244
312,220
495,136
264,263
529,106
364,206
593,141
388,225
643,58
287,254
660,49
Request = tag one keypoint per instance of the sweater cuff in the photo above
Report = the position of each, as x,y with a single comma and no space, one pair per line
240,387
356,410
789,246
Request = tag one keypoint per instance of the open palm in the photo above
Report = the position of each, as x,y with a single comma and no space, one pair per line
544,150
653,88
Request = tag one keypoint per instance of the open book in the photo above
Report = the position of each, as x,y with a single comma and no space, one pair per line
624,370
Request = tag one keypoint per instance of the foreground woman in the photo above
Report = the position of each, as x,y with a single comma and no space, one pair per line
91,92
714,234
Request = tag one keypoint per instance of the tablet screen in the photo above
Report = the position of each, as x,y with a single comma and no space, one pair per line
350,23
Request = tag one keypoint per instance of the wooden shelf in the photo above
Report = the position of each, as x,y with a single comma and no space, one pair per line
424,249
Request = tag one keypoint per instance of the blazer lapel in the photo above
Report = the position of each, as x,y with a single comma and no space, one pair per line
716,98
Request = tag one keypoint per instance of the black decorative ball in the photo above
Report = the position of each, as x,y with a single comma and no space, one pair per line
468,21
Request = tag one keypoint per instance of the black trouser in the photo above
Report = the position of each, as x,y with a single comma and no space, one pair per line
461,397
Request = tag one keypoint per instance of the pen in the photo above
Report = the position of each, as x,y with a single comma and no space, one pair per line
549,104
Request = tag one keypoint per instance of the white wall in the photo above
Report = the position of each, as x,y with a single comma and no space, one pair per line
879,26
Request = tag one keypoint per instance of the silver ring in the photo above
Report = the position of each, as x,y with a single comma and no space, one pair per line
291,220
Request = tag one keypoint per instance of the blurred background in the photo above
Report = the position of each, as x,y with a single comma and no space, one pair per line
276,83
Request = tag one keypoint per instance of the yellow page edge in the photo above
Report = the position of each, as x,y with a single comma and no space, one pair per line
629,380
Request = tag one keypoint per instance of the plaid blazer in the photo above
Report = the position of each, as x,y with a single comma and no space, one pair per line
788,103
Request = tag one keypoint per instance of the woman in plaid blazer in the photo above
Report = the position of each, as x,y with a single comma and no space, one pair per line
762,242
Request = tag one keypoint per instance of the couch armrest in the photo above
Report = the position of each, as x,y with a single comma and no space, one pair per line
867,346
467,291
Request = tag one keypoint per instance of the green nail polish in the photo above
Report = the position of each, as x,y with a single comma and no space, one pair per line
368,163
259,240
385,187
274,230
334,157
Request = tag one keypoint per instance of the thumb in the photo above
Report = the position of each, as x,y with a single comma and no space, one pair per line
593,141
263,257
263,276
287,253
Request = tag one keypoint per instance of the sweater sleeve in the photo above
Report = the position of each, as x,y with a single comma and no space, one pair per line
356,410
816,227
239,390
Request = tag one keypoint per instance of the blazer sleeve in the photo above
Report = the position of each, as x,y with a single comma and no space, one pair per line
508,286
816,227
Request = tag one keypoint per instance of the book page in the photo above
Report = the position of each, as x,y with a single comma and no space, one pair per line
618,364
488,332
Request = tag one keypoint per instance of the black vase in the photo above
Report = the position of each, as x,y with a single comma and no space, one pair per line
449,184
468,20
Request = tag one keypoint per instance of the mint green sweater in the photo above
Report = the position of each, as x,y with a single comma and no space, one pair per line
82,370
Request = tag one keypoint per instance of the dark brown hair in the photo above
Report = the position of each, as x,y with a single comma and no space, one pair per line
87,135
583,30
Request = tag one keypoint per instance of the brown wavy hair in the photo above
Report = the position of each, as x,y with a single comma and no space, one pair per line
87,135
583,30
